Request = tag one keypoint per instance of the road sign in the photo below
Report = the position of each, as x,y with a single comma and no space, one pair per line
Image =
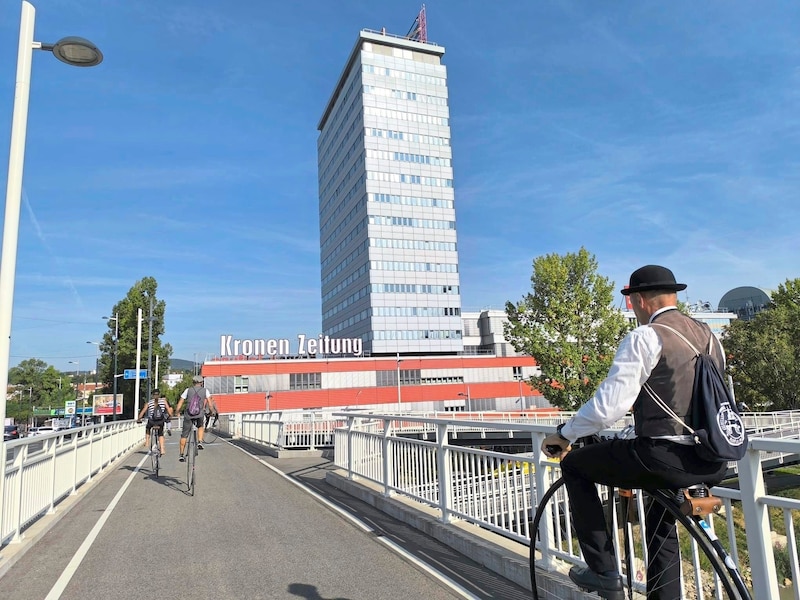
69,407
131,374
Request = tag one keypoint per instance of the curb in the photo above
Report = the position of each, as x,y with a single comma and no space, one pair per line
507,558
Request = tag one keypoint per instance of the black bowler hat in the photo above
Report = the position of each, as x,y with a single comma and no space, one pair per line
653,277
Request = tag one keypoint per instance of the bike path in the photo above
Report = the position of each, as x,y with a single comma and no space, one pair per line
249,532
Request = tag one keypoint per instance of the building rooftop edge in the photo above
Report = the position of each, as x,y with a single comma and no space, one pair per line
387,39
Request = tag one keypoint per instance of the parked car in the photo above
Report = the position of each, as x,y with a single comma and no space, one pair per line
11,432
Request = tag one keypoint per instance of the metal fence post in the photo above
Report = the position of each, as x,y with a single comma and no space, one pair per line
351,421
386,446
756,515
537,491
445,471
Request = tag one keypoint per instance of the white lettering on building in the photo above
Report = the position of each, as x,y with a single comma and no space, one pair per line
322,344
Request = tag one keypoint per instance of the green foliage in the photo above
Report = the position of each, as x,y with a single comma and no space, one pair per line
138,296
174,394
783,562
39,385
568,324
764,353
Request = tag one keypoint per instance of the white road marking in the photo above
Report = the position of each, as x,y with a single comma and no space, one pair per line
443,579
60,585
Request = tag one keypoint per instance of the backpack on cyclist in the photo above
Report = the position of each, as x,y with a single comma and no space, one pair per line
159,414
195,406
717,428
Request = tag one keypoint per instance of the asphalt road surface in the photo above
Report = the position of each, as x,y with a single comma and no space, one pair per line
250,531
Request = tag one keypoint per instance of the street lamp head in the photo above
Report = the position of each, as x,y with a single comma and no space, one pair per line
76,51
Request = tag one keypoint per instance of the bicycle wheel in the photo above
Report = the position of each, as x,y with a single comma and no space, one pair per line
699,554
155,452
553,522
209,436
555,532
191,452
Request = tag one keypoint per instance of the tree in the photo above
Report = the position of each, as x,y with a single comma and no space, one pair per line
37,385
126,310
568,325
764,353
173,394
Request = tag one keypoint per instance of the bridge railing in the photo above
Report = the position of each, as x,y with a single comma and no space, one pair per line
41,471
284,430
498,491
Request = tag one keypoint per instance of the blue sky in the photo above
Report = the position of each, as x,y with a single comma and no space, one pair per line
647,132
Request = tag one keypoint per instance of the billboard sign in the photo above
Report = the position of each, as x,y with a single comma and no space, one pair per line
69,408
104,404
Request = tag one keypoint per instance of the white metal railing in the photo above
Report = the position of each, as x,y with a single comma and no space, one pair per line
41,471
285,430
497,491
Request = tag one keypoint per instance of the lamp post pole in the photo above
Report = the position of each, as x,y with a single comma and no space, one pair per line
77,364
96,369
469,399
115,318
399,405
16,159
71,50
519,381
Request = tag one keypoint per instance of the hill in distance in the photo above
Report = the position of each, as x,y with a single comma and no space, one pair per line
178,364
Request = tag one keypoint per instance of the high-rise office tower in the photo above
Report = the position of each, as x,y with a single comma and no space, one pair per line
388,252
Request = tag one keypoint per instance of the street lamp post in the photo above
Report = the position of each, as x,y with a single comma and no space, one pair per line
519,381
115,318
469,399
96,369
399,406
73,51
77,364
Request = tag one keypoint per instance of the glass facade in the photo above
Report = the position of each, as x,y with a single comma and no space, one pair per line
389,254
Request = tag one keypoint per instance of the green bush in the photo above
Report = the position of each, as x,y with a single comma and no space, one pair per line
783,562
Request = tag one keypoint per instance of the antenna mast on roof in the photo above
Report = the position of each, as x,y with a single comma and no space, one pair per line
419,29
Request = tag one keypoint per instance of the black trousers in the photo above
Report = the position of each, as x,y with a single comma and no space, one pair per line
639,463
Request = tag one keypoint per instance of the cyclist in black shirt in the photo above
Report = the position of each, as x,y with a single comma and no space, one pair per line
150,409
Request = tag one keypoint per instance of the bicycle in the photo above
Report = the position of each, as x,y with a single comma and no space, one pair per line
155,448
690,507
191,454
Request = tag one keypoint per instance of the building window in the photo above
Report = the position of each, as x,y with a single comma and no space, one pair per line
240,384
517,372
305,381
407,377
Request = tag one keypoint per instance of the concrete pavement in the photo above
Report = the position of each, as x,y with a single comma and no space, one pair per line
249,532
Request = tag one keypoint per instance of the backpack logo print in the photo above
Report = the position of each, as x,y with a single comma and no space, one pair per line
730,424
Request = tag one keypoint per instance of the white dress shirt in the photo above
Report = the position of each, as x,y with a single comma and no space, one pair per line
636,357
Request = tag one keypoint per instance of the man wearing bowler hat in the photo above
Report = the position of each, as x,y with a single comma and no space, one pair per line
662,453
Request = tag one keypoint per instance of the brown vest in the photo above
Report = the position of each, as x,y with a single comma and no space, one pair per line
673,377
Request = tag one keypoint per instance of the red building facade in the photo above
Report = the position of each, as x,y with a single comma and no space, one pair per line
426,383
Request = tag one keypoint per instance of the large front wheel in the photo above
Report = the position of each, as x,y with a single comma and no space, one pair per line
701,572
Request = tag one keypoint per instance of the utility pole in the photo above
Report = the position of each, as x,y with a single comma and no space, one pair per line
150,352
138,362
469,399
114,374
399,401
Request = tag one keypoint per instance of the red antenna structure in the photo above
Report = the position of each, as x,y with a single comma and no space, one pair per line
419,29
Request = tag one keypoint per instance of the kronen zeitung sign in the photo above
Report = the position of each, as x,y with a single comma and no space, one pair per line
323,344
